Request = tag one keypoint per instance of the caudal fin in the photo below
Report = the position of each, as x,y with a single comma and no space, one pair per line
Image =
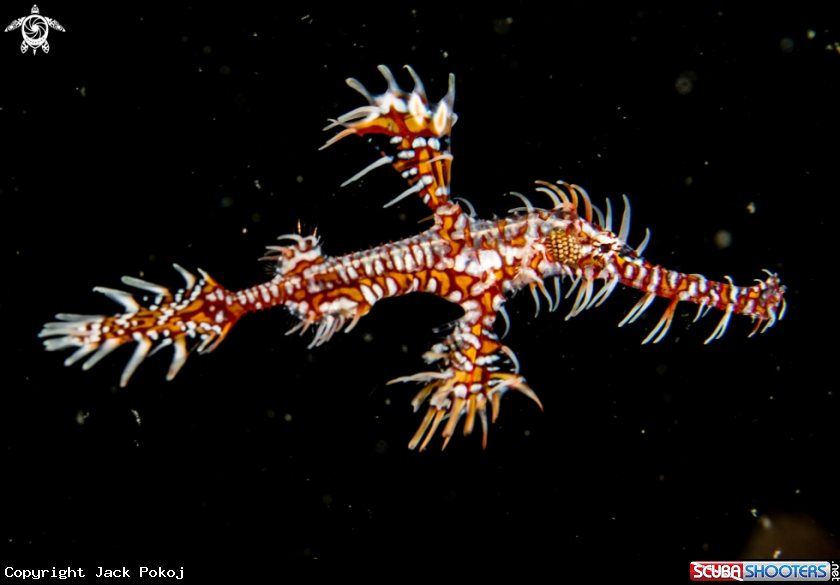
196,316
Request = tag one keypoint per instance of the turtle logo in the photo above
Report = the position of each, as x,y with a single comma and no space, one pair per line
35,29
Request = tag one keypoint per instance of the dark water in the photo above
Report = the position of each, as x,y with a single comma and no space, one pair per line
190,136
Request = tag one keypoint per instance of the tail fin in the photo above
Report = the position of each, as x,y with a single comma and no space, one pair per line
197,312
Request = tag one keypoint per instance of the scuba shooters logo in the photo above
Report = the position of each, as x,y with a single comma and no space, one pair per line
786,571
35,29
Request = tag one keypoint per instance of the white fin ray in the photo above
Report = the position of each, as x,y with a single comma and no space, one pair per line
541,286
103,350
357,85
599,214
770,322
597,296
418,85
444,113
179,356
361,113
416,188
584,294
165,342
610,287
467,203
624,231
533,288
189,277
578,298
140,353
553,191
721,327
76,318
83,351
384,160
554,199
512,356
528,205
343,134
151,287
60,343
205,343
641,249
556,293
665,321
638,309
421,377
296,237
504,314
575,282
71,329
393,87
119,296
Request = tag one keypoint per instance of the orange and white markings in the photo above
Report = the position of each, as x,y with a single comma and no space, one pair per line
472,262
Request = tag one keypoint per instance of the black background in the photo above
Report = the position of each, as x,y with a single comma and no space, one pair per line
141,140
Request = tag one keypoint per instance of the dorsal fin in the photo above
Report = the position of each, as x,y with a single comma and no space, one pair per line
419,147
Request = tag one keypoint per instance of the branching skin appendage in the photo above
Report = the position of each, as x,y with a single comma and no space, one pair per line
474,263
